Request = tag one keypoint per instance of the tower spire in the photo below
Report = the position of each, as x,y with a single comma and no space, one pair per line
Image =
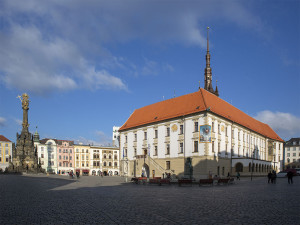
207,71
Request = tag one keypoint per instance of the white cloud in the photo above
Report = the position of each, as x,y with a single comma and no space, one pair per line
29,62
103,138
2,122
285,125
49,46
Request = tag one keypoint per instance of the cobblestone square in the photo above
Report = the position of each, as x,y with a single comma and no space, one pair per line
53,199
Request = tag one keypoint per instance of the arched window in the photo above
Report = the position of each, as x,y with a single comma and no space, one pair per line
109,164
104,164
104,156
239,167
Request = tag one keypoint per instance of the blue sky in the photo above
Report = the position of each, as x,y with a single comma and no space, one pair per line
87,65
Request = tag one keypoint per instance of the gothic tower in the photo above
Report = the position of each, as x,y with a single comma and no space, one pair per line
207,72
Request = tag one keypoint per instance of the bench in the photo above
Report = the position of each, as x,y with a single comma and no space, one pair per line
164,181
185,181
142,180
154,181
205,182
138,180
223,181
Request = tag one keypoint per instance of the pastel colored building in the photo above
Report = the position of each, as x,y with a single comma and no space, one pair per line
5,152
105,160
82,159
65,157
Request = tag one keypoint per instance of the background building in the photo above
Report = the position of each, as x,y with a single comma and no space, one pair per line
65,156
46,151
5,152
116,136
292,153
82,159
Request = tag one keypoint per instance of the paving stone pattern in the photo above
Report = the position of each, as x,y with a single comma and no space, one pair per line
41,199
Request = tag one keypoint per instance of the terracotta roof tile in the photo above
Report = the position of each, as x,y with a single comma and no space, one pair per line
192,103
2,138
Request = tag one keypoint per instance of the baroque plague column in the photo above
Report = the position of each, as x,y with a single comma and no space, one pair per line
25,155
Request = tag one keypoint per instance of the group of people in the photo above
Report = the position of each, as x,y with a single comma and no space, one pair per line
272,177
71,174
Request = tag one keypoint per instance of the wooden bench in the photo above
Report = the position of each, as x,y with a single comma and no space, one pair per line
165,181
154,181
142,180
223,181
206,182
185,181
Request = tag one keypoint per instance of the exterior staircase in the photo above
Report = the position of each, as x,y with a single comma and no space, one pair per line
159,167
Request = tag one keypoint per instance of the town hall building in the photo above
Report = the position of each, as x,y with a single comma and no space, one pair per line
195,136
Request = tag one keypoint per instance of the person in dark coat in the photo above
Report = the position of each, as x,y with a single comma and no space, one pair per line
269,177
290,177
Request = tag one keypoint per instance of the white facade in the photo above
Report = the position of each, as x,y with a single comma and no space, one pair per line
179,138
47,155
292,153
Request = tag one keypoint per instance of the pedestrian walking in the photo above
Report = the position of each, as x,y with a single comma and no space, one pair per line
238,176
269,177
290,177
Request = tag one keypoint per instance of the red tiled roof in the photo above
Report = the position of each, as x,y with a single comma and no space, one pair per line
2,138
193,103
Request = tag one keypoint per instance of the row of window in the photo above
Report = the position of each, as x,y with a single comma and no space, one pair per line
292,149
65,164
97,156
167,132
294,160
254,154
65,151
97,163
65,157
294,154
196,129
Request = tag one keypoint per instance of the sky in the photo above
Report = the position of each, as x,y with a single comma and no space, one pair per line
87,65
